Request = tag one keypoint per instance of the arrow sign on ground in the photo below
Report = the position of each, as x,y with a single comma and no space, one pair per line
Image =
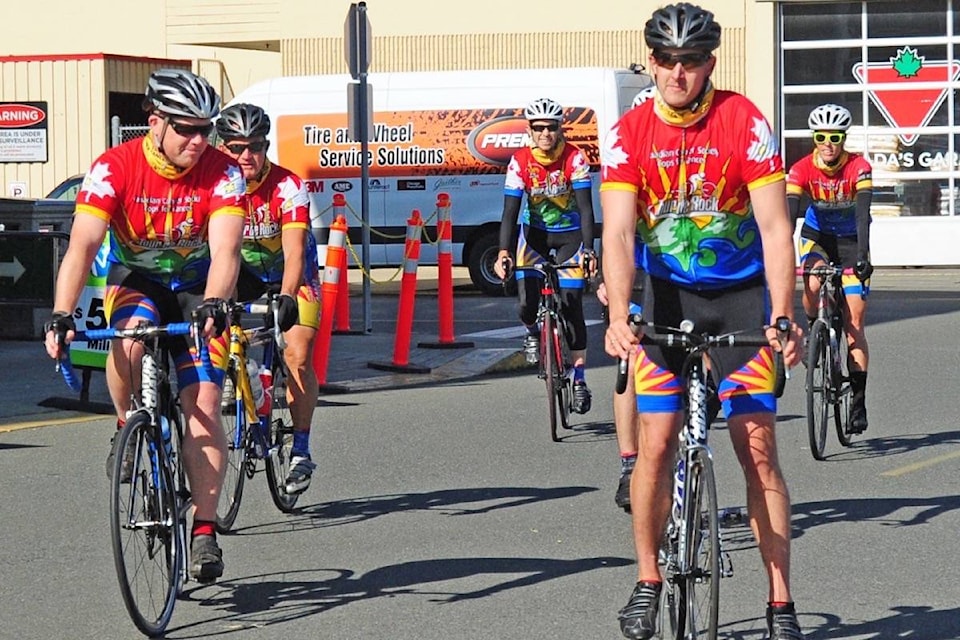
11,269
907,107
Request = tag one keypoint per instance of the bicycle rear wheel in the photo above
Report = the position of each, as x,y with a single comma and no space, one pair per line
147,551
280,439
551,367
841,382
234,422
818,387
700,587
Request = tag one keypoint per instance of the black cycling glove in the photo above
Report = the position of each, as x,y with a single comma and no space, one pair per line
60,322
863,269
215,308
288,312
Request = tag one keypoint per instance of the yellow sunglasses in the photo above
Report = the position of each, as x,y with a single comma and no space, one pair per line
834,138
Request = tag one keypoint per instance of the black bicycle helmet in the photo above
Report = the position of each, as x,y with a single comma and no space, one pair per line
180,93
243,121
682,26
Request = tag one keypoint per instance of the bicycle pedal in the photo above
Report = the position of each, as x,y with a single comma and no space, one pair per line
726,565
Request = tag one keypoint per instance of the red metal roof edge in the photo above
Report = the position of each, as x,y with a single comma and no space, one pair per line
93,56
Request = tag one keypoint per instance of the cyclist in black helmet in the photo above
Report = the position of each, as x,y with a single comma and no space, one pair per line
696,175
174,207
279,251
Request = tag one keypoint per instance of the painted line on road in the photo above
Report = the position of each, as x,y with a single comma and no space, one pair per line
17,426
510,332
918,466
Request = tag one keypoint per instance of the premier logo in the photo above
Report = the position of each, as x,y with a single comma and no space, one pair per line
495,141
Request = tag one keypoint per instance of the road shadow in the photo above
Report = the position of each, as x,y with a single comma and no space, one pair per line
261,600
808,515
915,623
885,447
448,502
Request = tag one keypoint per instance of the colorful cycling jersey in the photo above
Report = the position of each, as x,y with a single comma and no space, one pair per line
276,202
832,191
549,183
158,215
693,188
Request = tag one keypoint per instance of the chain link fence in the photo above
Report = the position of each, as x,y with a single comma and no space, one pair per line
120,133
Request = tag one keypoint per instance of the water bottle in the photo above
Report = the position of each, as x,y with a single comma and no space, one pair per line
253,374
165,433
265,379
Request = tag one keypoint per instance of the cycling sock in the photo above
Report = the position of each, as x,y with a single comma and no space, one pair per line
301,443
120,424
627,462
578,374
204,528
780,605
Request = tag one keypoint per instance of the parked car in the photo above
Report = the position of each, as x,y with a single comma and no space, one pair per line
68,189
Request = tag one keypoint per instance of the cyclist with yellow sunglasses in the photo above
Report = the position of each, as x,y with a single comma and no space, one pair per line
836,229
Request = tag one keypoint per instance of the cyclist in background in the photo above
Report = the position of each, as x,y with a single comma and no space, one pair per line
279,252
696,174
174,208
836,228
558,216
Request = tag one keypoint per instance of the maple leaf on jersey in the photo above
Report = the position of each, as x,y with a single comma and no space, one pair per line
612,154
95,183
907,63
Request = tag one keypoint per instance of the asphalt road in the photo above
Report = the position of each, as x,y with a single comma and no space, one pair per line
446,511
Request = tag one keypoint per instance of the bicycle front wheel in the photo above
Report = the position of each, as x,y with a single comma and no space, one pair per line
564,390
234,422
280,439
551,368
700,584
841,382
818,387
147,551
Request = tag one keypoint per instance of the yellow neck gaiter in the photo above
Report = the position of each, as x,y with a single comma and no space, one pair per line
547,157
253,185
683,117
158,162
828,169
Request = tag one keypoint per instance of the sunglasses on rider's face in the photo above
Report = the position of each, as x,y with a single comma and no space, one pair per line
190,130
833,138
237,148
691,60
553,127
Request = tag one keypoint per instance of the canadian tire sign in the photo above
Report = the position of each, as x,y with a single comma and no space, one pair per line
23,131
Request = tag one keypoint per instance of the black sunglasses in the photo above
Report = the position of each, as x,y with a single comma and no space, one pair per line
690,60
540,128
237,148
190,130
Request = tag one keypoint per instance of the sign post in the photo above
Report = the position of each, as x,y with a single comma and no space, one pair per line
357,49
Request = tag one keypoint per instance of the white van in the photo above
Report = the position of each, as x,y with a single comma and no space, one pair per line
452,132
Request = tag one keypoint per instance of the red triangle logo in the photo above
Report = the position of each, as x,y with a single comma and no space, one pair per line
910,107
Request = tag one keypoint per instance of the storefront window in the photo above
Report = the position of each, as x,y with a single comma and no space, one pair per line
906,128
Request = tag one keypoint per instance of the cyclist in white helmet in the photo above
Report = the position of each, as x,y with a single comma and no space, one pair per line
555,175
174,207
836,228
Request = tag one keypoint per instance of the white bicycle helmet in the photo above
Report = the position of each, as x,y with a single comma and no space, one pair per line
830,117
180,93
543,109
644,95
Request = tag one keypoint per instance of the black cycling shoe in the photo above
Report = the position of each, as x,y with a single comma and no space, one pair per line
582,398
782,623
206,559
126,471
858,417
638,619
622,498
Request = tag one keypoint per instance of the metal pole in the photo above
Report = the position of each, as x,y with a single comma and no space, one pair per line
363,109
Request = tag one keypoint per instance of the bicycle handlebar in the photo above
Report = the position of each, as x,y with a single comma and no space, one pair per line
135,333
271,309
683,336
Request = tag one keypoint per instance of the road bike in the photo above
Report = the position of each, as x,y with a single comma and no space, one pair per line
828,377
149,500
691,554
254,435
556,366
